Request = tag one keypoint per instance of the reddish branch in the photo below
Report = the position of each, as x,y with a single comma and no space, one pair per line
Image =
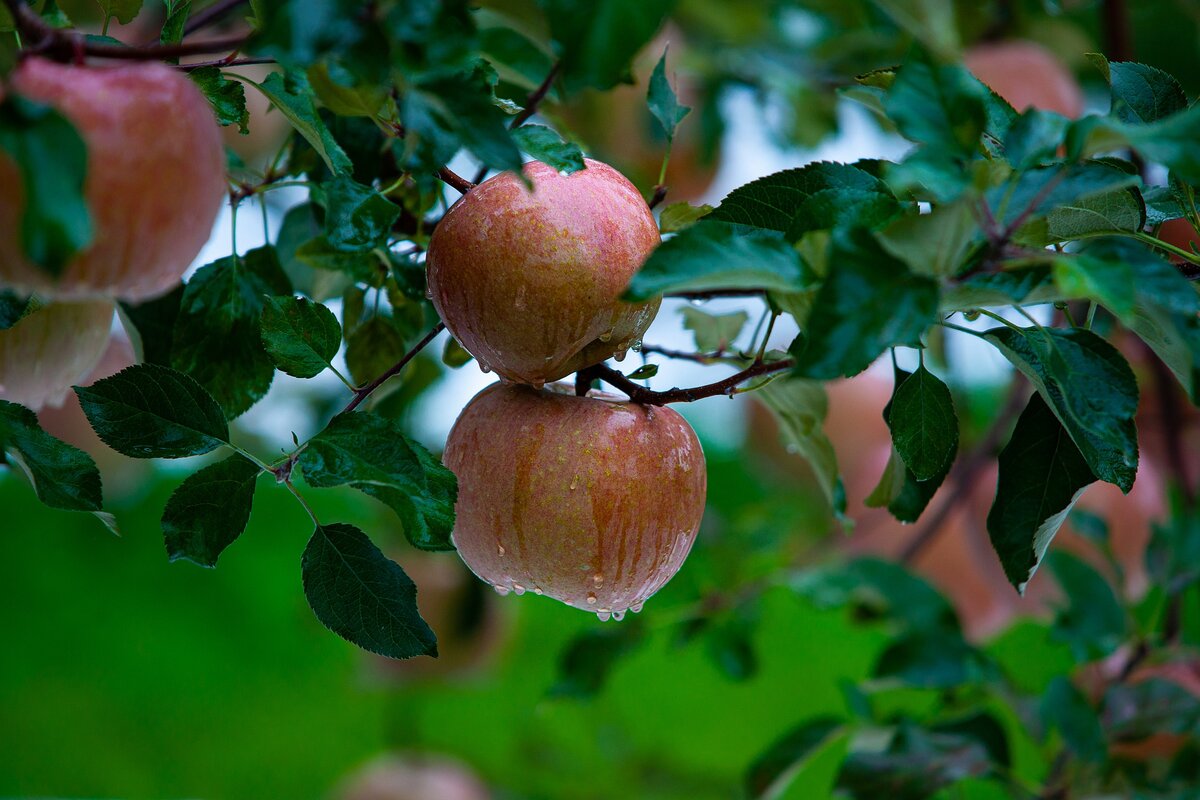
535,98
454,180
640,394
214,13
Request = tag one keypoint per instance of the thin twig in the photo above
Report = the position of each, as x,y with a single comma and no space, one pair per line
710,294
225,63
455,181
212,14
535,98
640,394
365,392
699,358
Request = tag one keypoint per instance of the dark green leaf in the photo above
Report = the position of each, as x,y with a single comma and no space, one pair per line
463,105
1089,387
1141,93
1122,211
662,101
1108,282
217,337
915,765
940,105
899,490
362,267
933,244
819,196
1090,619
209,510
924,425
177,17
714,333
300,336
124,10
597,39
1134,711
935,659
13,307
545,145
717,255
870,301
52,159
63,476
227,98
787,752
153,325
454,355
677,216
1034,137
372,348
1065,708
878,589
1041,190
357,218
292,95
372,454
800,408
588,660
362,596
150,411
1042,474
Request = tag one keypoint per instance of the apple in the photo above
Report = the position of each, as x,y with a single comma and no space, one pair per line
412,777
529,282
1027,75
155,182
593,501
51,349
1180,233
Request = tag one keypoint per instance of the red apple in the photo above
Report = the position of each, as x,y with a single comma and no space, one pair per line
52,349
155,182
593,501
1180,233
1027,75
530,282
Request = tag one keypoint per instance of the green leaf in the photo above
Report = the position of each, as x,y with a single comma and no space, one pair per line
899,490
1091,619
924,425
150,411
152,325
362,267
1034,137
1108,282
217,338
300,336
939,105
930,659
877,588
870,301
1065,709
1122,211
800,408
931,22
124,10
62,476
1041,190
933,244
1141,93
644,372
362,596
372,348
372,454
13,308
178,12
597,39
227,98
820,196
1042,474
714,333
357,218
1089,387
586,663
344,100
915,765
662,101
1170,141
1135,711
292,95
454,355
677,216
717,255
52,159
209,510
463,105
790,752
545,145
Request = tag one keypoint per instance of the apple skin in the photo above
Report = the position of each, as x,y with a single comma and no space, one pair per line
156,179
52,349
408,777
1027,75
590,500
530,282
1180,233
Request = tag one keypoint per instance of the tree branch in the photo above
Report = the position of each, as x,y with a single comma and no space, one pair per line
535,98
365,392
210,15
454,180
640,394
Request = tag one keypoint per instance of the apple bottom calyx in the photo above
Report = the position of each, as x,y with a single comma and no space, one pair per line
593,501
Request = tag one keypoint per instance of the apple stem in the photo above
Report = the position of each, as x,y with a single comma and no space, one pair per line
455,181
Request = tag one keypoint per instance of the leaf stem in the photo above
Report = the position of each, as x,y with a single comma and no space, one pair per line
312,515
250,457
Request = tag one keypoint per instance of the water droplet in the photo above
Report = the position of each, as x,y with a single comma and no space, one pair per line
620,354
537,590
636,346
538,385
499,548
698,301
606,336
598,579
603,615
618,615
518,589
591,598
636,608
501,590
428,292
484,367
574,482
